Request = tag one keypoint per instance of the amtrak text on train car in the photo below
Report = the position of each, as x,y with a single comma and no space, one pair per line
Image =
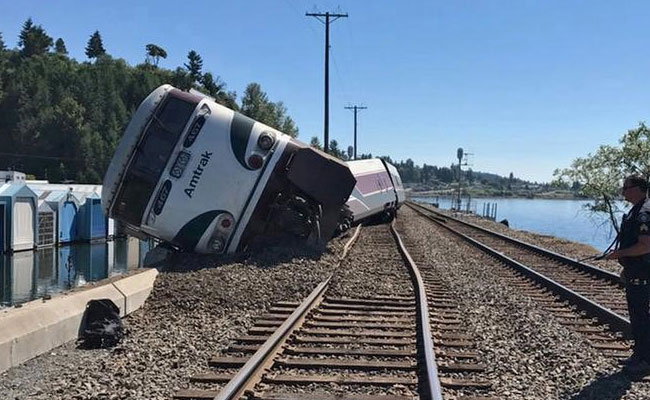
196,174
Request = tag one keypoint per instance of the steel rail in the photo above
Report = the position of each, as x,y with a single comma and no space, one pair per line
607,316
250,373
434,389
601,273
350,242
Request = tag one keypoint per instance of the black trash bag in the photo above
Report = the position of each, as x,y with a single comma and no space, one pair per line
101,326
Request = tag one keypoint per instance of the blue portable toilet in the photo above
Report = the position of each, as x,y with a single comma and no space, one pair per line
66,205
20,208
92,224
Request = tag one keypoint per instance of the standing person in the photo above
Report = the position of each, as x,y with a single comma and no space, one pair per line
633,253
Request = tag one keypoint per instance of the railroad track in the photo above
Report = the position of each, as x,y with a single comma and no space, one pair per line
596,299
353,348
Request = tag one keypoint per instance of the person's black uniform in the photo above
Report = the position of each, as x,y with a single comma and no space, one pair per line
637,277
633,254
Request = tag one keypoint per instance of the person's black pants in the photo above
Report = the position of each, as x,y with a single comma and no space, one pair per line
638,301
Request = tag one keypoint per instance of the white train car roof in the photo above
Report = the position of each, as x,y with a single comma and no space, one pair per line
363,167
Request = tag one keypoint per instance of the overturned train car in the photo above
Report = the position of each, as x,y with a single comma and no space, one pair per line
207,179
378,192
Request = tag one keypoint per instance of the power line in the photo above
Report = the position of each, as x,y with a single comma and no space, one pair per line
295,9
329,18
340,77
35,156
355,108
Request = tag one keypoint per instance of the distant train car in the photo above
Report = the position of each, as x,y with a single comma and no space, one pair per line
379,191
204,178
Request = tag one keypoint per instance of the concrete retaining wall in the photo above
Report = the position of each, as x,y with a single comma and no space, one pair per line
38,327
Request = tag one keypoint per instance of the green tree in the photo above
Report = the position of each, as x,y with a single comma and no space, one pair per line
635,151
155,53
75,113
335,151
315,142
59,47
599,176
284,121
212,87
95,46
181,79
3,64
33,40
256,105
228,99
194,65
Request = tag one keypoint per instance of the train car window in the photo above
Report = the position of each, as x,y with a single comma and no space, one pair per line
175,114
161,138
154,151
151,157
134,198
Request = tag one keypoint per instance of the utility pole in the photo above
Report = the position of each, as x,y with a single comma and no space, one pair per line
355,108
459,154
329,17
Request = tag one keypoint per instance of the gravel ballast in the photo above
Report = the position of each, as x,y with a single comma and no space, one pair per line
529,354
553,243
194,311
201,305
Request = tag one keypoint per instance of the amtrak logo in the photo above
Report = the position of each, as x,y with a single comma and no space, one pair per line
196,174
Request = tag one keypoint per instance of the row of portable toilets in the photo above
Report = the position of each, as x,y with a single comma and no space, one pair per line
40,214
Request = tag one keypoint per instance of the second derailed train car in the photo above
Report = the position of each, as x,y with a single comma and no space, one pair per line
207,179
378,192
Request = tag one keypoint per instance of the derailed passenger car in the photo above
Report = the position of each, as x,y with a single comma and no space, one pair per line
204,178
378,192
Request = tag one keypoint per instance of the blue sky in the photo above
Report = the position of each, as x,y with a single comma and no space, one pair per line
526,86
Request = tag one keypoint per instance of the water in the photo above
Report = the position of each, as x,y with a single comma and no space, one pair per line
566,219
29,275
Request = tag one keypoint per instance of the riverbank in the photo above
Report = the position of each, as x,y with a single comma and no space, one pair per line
568,219
560,245
477,194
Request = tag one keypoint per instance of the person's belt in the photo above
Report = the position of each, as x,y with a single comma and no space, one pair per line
638,282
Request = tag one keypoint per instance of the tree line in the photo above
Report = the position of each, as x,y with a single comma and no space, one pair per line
61,119
599,175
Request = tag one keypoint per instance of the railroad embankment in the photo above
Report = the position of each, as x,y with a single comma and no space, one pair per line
201,304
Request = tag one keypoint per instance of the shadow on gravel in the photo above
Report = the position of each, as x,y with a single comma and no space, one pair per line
262,257
606,387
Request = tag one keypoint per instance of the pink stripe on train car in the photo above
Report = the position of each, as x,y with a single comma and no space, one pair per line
373,182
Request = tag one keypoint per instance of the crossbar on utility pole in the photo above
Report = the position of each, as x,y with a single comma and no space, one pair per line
355,108
329,17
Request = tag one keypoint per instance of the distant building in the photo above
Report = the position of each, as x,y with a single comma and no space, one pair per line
12,176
